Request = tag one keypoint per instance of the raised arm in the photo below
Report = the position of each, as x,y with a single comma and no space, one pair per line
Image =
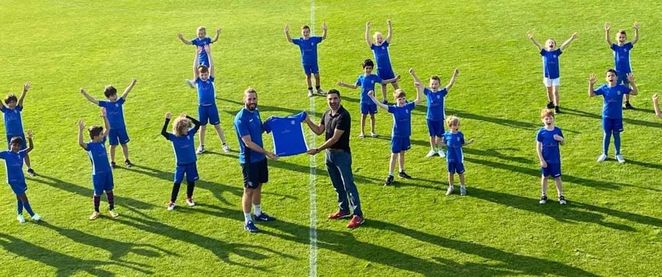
287,33
346,85
315,128
567,42
164,130
88,97
656,105
218,34
591,82
30,143
419,94
185,41
371,94
196,123
530,36
636,33
211,61
81,127
367,34
324,29
106,123
453,78
633,86
26,87
607,37
389,35
412,72
128,89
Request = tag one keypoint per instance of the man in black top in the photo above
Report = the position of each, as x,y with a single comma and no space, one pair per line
336,124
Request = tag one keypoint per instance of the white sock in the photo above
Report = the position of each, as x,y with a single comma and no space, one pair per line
257,210
248,217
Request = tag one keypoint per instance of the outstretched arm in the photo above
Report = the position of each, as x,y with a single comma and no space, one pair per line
26,87
371,94
530,36
30,143
164,130
607,38
287,33
636,33
185,41
591,82
88,97
324,29
367,34
81,127
452,81
656,105
633,86
346,85
389,35
218,34
128,89
567,42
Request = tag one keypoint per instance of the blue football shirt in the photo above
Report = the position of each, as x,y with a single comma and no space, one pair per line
622,57
381,55
13,122
613,100
184,147
201,42
436,108
98,156
114,112
550,147
550,63
367,83
308,48
248,123
287,134
454,142
206,91
14,165
401,119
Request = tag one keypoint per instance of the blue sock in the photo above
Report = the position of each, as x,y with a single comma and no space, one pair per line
617,142
27,207
19,206
605,143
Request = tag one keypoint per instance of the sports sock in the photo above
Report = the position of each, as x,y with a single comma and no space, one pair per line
247,217
605,143
617,142
257,210
96,200
19,206
175,192
27,207
189,189
111,200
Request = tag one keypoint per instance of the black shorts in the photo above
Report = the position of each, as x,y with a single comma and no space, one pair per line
255,174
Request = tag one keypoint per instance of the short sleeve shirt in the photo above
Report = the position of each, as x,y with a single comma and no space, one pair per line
550,63
248,123
435,101
206,91
341,121
381,54
622,57
613,100
98,157
114,112
308,48
14,165
454,142
13,122
402,119
550,147
184,147
367,83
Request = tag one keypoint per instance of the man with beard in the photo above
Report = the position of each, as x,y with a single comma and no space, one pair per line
336,125
249,129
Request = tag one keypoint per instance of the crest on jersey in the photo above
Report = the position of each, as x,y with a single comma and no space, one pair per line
292,122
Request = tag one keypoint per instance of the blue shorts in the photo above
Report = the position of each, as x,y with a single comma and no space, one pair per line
23,144
208,114
189,169
18,188
368,108
102,182
399,144
552,169
436,128
622,78
255,174
610,125
118,136
455,167
310,68
385,73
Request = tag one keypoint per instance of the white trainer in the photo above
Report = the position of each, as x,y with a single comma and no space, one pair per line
20,218
226,148
36,218
602,158
441,154
620,159
431,153
201,149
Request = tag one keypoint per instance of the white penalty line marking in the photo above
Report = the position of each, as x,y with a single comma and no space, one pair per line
312,230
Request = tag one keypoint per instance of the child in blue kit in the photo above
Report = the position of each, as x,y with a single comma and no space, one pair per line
115,112
367,82
454,140
379,49
551,70
15,178
11,110
622,56
203,77
400,142
612,111
308,47
184,147
436,109
548,140
102,173
202,43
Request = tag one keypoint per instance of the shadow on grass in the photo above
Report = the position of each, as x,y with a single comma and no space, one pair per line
496,120
625,120
65,265
265,108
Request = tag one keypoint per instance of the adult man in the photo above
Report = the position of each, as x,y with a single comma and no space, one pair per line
336,125
249,129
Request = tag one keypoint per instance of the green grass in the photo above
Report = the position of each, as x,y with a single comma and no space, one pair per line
611,226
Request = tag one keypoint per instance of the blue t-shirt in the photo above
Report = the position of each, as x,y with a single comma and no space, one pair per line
308,49
622,57
14,165
401,119
550,63
206,91
184,147
287,133
248,123
381,55
454,142
201,42
114,112
550,147
98,157
13,122
367,83
613,100
436,106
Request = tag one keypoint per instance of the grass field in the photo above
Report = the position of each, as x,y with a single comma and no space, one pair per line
612,225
